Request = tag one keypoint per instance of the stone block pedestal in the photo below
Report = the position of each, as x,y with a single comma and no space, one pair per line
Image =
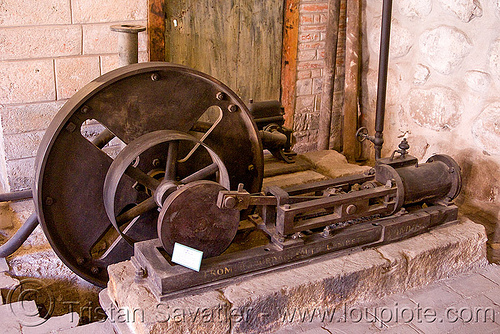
264,303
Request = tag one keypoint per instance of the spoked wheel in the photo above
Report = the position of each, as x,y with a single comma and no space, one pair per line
158,188
156,111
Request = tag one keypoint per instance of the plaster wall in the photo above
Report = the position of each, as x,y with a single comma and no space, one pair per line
443,86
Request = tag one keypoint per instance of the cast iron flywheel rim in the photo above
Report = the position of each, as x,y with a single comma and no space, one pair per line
129,102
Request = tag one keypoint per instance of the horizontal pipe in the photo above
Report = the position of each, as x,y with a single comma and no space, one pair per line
16,196
20,237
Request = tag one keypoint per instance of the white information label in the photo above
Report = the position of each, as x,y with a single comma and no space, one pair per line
187,256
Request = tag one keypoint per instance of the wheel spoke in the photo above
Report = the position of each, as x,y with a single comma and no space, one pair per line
171,165
137,210
141,177
103,138
201,174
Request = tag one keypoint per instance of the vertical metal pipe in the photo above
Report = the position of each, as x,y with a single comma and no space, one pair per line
385,35
128,44
325,113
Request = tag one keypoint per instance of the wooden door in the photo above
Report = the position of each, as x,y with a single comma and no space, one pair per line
238,42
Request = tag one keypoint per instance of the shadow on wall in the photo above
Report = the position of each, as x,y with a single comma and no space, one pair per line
480,196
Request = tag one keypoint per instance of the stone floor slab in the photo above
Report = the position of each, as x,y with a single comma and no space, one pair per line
93,328
435,296
493,274
54,324
471,286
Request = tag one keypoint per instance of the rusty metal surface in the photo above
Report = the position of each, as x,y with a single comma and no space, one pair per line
167,281
122,165
131,102
438,179
190,217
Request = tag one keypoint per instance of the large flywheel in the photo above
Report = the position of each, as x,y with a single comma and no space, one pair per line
157,127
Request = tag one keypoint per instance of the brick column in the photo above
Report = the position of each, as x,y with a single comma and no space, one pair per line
312,33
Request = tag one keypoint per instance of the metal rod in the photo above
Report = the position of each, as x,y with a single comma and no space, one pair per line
385,35
20,237
16,196
128,42
325,113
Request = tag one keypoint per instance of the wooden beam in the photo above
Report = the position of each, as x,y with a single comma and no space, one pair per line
289,59
156,30
352,56
325,112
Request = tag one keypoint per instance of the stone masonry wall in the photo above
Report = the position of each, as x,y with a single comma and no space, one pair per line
48,50
444,76
443,85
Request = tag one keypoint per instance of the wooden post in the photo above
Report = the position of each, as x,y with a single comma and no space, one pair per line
353,50
156,30
289,59
325,113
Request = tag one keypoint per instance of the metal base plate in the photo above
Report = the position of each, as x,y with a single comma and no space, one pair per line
168,280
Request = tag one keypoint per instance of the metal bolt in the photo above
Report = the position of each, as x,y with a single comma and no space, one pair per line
140,273
85,109
94,270
155,77
71,127
251,168
279,238
156,162
49,201
80,261
351,209
233,108
230,202
139,187
220,96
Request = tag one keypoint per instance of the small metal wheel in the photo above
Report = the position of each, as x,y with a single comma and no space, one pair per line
107,116
190,216
362,134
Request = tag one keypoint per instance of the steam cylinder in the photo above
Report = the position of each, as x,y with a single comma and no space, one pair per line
438,179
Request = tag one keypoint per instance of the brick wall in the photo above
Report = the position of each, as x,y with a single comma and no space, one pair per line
48,50
313,16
